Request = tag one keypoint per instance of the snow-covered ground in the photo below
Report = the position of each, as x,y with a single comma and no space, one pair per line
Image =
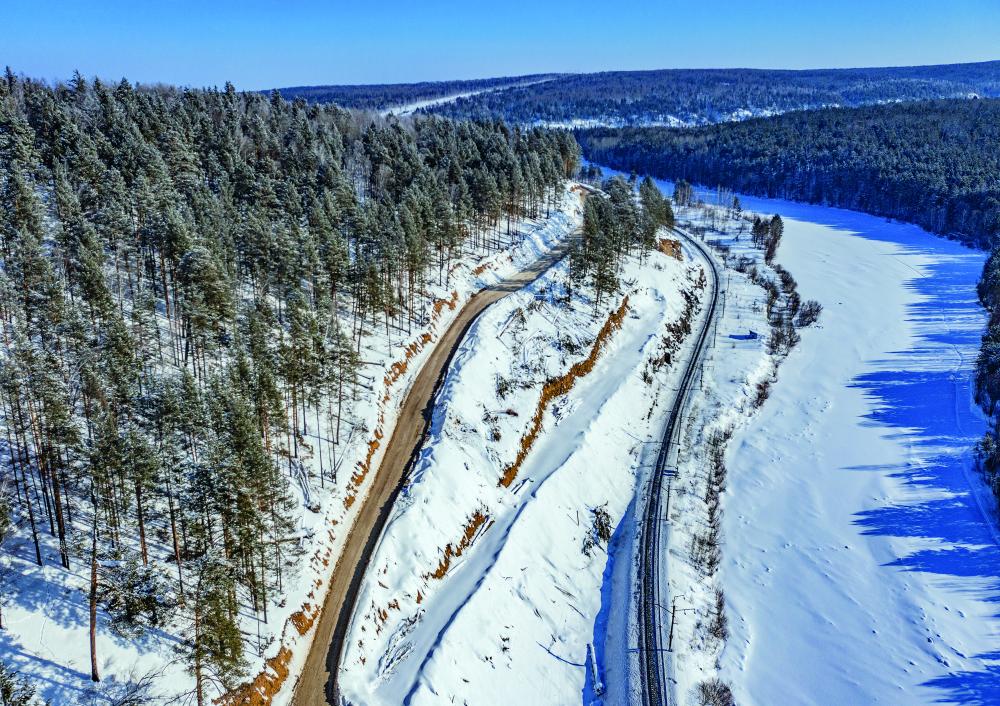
860,559
509,616
413,107
662,120
858,565
46,610
722,400
614,121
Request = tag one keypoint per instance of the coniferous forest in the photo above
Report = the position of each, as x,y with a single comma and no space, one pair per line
523,354
936,164
185,276
703,96
389,95
615,225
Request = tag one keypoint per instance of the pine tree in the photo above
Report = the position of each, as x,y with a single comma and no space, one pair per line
776,229
213,646
15,690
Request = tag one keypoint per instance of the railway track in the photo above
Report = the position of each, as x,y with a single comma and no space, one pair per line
656,684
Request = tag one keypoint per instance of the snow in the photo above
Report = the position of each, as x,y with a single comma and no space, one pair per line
415,106
860,553
860,556
722,399
46,609
858,564
511,620
613,121
658,120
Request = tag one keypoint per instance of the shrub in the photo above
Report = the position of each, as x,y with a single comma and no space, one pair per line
808,313
719,627
600,529
715,692
763,392
14,689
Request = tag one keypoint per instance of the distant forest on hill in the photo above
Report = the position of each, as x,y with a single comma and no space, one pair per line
933,163
390,95
696,97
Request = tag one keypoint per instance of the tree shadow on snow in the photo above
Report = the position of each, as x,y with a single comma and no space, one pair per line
923,398
979,687
619,547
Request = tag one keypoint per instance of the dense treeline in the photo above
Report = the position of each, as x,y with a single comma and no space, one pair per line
936,163
389,95
988,372
696,96
616,224
185,277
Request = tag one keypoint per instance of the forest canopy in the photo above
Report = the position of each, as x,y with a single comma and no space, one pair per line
381,96
703,96
185,277
933,163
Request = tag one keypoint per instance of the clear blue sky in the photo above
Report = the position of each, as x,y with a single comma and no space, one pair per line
258,44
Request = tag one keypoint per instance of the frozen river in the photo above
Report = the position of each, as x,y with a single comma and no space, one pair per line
861,561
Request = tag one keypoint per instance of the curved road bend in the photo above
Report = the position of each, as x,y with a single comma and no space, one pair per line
317,685
657,688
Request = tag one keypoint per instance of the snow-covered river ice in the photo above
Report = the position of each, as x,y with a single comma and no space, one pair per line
861,561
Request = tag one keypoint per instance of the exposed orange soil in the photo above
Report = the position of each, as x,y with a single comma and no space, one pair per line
671,248
557,386
477,520
396,446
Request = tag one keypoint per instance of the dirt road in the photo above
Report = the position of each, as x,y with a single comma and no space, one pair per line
318,684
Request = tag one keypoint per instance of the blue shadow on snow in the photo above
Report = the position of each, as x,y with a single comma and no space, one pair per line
924,397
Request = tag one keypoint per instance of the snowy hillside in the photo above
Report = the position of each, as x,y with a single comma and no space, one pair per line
484,591
423,104
853,522
45,612
756,324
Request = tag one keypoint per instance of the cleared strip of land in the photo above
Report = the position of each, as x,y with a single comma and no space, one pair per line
318,683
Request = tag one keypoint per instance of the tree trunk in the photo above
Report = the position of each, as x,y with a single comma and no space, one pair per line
142,522
319,445
94,676
177,547
198,687
27,498
60,521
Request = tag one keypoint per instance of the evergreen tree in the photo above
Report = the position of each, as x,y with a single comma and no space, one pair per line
213,646
187,278
15,690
